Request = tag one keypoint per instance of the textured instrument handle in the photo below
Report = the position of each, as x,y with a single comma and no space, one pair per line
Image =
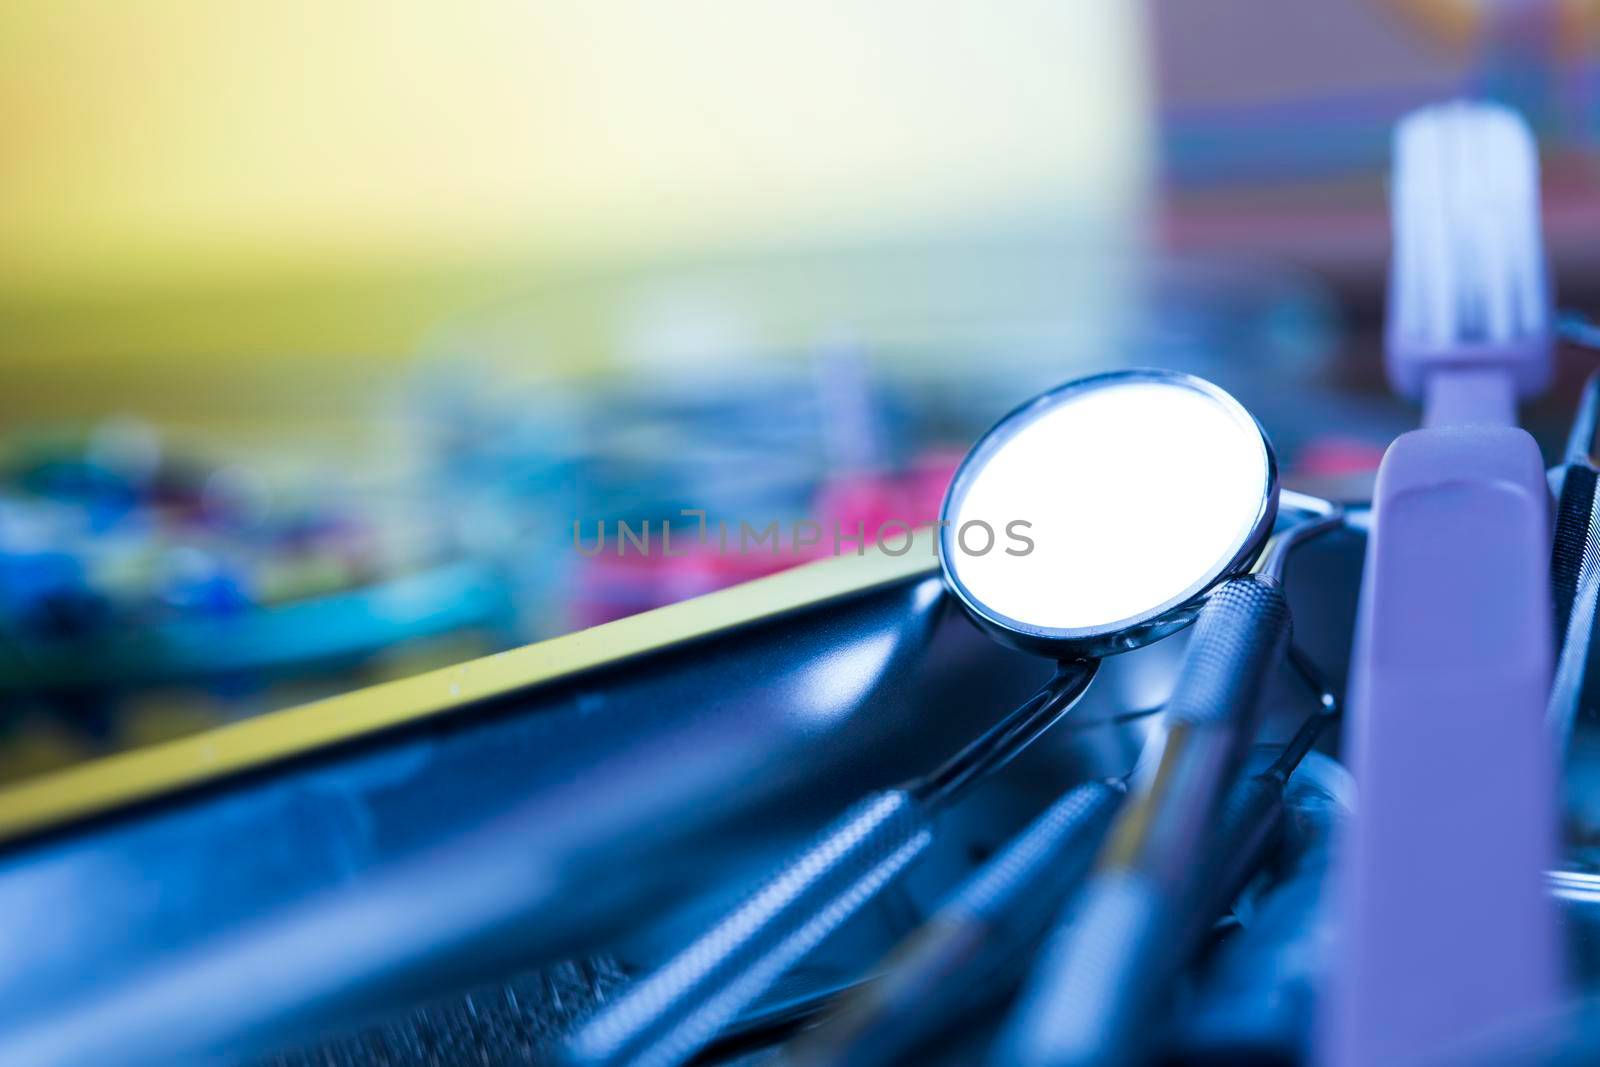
1240,634
1091,999
1574,510
1051,847
669,1015
971,951
1086,1001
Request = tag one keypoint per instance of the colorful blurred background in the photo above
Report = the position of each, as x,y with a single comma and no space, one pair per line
322,323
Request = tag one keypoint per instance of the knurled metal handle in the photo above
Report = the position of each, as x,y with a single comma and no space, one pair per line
1241,632
667,1016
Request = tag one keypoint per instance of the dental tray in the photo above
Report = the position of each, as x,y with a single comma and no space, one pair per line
446,862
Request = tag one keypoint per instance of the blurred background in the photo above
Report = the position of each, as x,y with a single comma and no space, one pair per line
321,324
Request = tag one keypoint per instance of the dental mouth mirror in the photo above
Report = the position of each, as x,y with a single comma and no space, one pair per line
1137,492
1094,519
1106,972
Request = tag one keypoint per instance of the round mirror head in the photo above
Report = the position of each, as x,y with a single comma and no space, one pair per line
1094,518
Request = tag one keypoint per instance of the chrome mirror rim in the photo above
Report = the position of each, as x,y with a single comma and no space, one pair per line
1134,631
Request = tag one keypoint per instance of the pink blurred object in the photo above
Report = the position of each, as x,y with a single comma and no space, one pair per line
619,581
1335,457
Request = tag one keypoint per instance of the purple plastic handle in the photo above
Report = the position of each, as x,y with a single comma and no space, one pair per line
1448,929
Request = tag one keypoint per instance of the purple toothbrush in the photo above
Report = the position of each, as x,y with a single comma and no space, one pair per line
1451,670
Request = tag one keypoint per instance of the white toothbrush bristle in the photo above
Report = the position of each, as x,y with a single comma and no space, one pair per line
1468,264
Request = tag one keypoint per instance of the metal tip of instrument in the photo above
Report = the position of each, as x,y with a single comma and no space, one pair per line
1143,772
1298,747
1580,439
1321,516
1309,673
1576,328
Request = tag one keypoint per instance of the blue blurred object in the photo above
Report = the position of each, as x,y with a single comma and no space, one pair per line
339,628
130,578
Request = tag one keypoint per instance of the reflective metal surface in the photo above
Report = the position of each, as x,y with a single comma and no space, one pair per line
1115,503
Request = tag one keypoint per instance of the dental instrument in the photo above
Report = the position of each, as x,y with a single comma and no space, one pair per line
1089,476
